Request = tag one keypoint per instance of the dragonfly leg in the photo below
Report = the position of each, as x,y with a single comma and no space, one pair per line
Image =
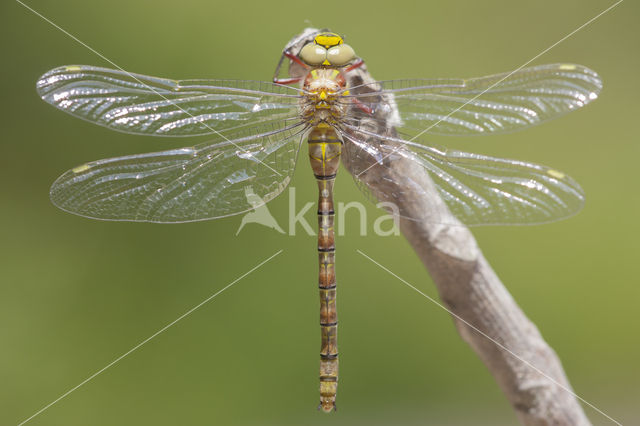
362,106
286,80
295,59
356,64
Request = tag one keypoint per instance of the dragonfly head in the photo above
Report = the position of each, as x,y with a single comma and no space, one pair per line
313,48
327,50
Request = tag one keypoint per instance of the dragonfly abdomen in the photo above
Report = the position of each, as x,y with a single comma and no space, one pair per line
324,153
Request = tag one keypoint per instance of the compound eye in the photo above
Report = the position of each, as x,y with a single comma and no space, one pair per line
340,55
313,54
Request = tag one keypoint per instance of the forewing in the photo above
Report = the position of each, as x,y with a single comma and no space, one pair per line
494,104
207,181
140,104
477,189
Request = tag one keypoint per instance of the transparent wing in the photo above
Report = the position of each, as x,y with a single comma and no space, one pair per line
493,104
136,103
477,189
207,181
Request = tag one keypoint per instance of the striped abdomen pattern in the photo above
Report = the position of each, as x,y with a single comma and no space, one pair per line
324,153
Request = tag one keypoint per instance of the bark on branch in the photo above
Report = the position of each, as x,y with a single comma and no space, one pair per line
472,291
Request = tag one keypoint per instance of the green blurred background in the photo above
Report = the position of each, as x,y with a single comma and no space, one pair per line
77,293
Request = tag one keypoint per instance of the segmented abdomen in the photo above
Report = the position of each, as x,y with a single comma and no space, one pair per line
324,153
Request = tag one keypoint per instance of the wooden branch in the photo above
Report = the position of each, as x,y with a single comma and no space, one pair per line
472,291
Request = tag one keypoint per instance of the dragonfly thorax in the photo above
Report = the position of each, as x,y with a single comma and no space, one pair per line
323,88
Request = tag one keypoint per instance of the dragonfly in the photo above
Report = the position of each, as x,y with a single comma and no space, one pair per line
321,92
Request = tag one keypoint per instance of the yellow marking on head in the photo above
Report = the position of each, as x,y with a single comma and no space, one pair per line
556,174
568,67
322,125
81,169
72,68
328,40
326,62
